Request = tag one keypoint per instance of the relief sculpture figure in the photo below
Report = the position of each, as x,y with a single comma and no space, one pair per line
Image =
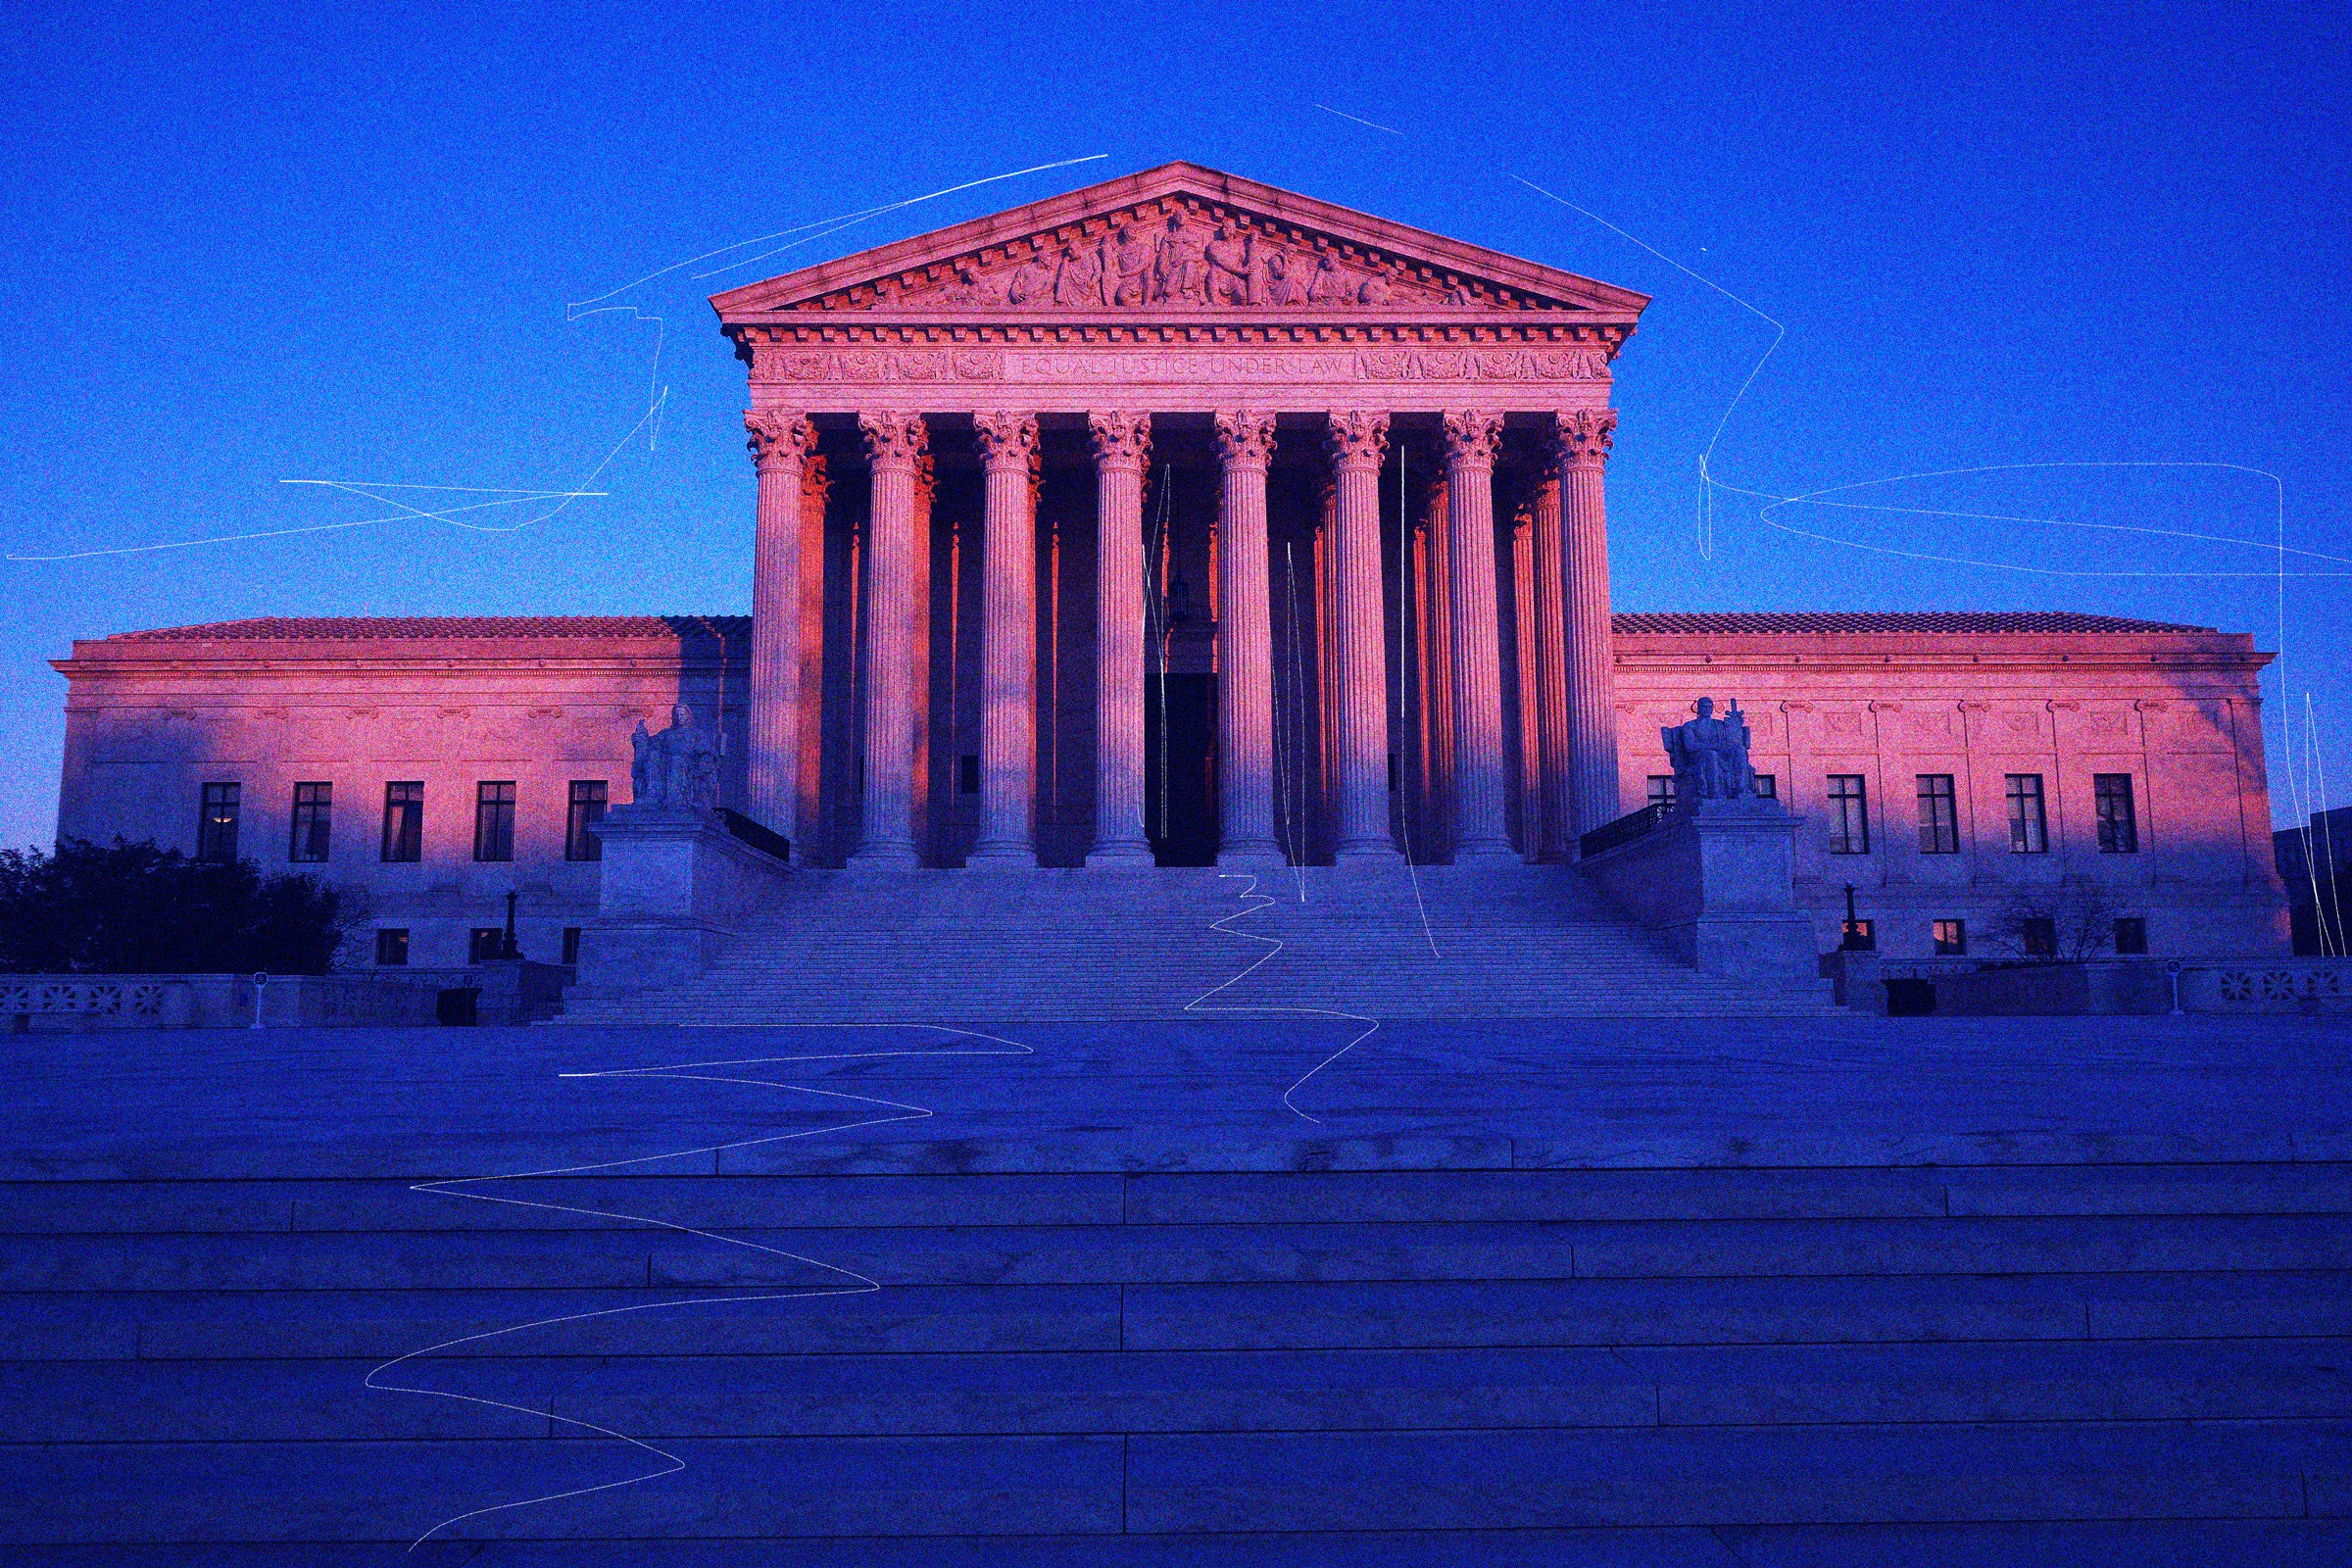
1127,274
1176,263
1231,270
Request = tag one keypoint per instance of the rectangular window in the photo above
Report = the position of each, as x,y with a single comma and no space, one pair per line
968,773
1939,815
392,945
494,820
1849,815
2041,935
1863,935
483,942
580,817
2130,934
1951,939
403,821
2119,823
571,945
1768,788
312,807
216,824
1661,789
2029,826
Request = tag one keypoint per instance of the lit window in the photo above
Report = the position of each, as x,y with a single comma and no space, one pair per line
1951,939
312,807
1939,815
216,824
2029,826
403,821
580,818
1849,815
494,820
2119,823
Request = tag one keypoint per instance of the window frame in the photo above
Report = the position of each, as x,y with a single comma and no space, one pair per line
494,821
2119,833
2027,834
1954,946
1939,813
582,812
404,823
1848,816
221,804
390,938
1661,792
316,813
2139,924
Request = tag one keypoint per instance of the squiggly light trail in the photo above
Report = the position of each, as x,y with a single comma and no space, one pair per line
860,1283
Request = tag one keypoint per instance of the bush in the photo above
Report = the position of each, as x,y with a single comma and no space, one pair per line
133,909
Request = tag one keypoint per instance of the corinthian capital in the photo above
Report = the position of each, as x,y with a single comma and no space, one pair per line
778,436
1471,438
1244,439
893,440
1006,440
1121,440
1357,438
1583,437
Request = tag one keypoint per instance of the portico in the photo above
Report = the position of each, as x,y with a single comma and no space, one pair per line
1174,490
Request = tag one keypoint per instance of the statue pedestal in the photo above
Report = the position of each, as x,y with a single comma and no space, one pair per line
1716,883
675,886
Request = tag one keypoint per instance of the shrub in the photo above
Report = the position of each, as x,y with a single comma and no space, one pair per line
133,909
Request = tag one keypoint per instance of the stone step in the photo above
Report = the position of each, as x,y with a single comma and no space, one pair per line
802,1259
1027,1392
723,1203
2102,1544
1150,1482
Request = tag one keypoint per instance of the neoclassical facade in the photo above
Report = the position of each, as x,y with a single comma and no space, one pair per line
1180,521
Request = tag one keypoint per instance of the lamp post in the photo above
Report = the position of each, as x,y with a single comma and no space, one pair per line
1854,941
508,950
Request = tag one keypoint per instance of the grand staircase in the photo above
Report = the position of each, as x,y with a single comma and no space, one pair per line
1735,1368
1433,942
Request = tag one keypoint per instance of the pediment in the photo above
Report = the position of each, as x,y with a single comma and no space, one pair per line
1180,241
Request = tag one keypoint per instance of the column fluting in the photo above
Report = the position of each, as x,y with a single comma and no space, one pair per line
1549,819
1357,440
1008,443
1244,644
894,442
1583,437
1122,451
1480,802
781,442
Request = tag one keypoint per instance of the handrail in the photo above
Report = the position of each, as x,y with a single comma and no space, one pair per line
1627,828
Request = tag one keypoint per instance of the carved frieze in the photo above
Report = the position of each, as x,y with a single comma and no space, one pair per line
1117,364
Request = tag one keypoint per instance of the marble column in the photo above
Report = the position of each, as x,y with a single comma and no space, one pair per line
1244,644
1007,642
1122,449
780,441
1357,440
1549,816
1583,439
894,442
1480,804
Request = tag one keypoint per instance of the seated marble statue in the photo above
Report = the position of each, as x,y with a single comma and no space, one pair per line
676,769
1710,755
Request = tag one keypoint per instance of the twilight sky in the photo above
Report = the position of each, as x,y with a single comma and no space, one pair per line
250,244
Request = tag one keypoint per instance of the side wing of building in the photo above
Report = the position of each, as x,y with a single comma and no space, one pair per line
1975,768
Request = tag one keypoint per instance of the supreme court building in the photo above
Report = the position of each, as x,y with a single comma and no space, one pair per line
1185,521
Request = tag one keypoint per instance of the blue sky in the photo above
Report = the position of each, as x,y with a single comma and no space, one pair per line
251,244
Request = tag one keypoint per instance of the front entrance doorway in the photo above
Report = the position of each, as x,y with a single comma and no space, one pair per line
1180,768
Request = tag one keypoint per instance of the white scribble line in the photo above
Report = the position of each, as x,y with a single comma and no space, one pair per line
1274,945
1359,120
863,1285
836,224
